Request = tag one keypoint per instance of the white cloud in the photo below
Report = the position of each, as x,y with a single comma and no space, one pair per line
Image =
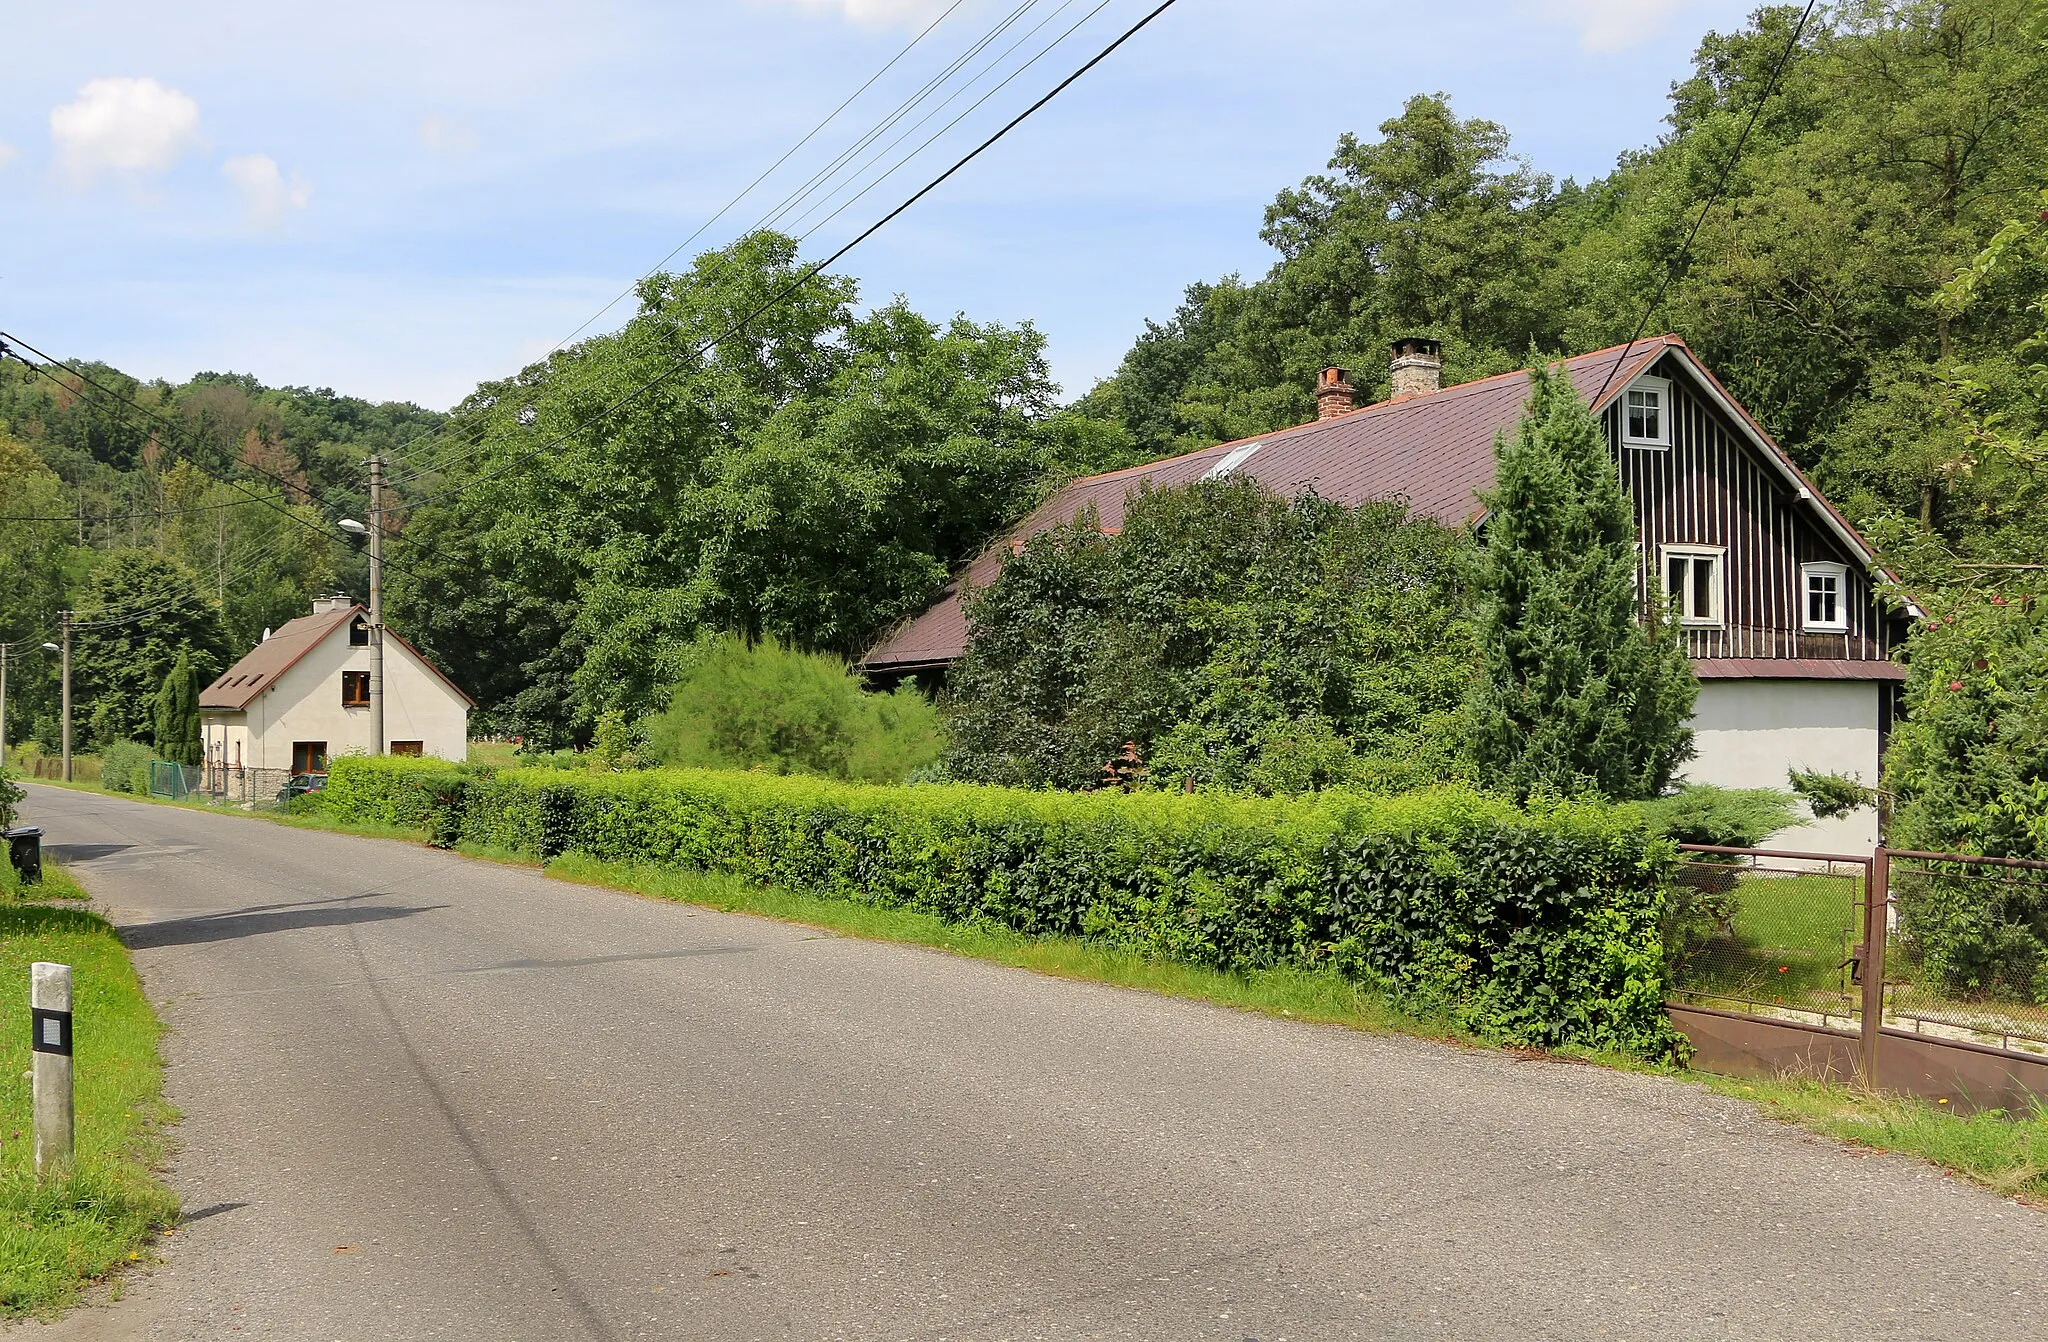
876,13
123,125
1608,26
446,137
266,194
8,153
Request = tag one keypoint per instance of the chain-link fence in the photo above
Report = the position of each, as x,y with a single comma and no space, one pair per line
1769,933
1968,950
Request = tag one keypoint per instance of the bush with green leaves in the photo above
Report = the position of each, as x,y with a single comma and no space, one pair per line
1535,926
1724,817
11,797
1968,772
771,707
124,767
1242,641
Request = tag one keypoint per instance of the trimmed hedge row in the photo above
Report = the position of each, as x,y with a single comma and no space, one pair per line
1535,927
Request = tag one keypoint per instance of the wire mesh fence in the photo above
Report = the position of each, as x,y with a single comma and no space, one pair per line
1968,949
1769,933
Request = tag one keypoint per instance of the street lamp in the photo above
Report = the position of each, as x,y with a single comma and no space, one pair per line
353,527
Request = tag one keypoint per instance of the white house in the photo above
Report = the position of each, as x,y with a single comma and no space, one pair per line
302,696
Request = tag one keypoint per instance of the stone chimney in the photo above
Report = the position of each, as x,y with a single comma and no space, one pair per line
1418,368
1333,394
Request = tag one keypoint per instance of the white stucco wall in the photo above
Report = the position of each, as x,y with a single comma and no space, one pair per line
304,704
1749,733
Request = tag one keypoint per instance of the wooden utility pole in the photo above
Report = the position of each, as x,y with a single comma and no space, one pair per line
65,618
376,605
3,703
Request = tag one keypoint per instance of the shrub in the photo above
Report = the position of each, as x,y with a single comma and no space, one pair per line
1727,817
11,796
1533,926
124,767
1240,640
771,707
1968,769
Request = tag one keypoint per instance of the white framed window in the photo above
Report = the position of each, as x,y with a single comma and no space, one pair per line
1693,580
1646,413
1824,594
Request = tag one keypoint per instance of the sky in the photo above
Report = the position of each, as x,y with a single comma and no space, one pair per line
400,200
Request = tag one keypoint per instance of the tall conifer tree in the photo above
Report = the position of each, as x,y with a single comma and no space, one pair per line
177,714
1581,689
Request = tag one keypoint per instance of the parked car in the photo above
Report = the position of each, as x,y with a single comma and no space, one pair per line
298,785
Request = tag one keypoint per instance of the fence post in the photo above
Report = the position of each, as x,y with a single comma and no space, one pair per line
1877,895
49,1001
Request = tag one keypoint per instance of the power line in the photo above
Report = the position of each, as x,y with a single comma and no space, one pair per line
802,191
183,431
1727,170
897,166
749,188
812,271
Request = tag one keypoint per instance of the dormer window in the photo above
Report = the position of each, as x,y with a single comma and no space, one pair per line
359,633
1826,598
1646,413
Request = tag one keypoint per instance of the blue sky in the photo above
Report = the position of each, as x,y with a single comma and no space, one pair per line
401,199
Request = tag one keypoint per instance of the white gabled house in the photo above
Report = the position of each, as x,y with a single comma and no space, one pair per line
302,696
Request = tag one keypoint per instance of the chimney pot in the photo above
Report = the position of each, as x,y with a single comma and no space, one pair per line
1418,367
1333,394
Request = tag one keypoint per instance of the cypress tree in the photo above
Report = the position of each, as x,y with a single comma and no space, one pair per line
1581,689
177,714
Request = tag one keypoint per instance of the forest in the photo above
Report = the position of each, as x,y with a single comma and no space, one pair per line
1868,278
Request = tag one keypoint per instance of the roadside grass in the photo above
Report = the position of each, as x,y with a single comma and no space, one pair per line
1294,993
2004,1152
57,1238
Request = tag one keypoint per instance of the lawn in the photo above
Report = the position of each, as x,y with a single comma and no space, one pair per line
1786,942
57,1238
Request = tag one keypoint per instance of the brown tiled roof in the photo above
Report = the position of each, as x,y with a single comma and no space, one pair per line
1436,451
271,658
292,640
1794,668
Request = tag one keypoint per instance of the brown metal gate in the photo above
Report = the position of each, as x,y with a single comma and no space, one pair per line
1925,973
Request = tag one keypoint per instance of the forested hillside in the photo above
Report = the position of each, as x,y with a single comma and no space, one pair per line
1902,137
1869,283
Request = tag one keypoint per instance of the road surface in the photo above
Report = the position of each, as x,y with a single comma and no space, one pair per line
430,1097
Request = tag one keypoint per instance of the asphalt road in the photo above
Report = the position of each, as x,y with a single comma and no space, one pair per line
428,1097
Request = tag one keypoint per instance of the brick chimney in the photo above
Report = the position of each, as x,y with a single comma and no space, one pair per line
1333,394
1418,368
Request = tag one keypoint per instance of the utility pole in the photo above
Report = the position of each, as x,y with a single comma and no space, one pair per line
65,618
376,605
3,704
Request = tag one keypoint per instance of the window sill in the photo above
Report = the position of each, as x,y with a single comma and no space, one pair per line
1657,443
1824,629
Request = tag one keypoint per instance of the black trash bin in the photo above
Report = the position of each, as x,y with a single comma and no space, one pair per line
25,851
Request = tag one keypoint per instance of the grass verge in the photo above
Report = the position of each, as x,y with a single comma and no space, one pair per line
56,1238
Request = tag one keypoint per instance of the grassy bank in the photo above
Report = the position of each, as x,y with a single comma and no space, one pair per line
56,1239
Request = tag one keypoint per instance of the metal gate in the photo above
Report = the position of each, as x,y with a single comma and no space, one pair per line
1919,972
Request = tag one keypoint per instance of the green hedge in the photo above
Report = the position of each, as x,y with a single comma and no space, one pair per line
1534,927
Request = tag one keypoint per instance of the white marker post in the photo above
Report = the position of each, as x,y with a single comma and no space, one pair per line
49,1000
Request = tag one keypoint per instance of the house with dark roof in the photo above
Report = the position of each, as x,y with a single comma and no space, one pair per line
1774,590
302,695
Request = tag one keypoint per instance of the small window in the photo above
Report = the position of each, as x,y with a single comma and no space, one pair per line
1646,413
415,748
1692,581
309,757
1236,457
355,689
359,633
1827,597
